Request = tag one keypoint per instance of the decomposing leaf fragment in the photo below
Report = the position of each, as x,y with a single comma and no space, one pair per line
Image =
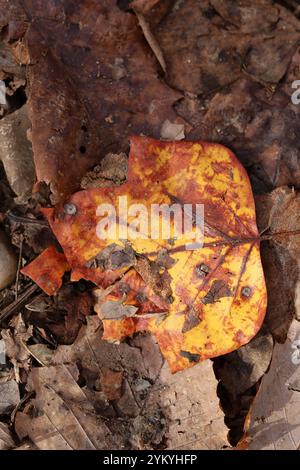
47,270
181,173
274,421
91,81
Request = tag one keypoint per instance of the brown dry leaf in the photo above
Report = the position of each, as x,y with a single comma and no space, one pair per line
111,384
235,62
6,440
260,125
279,211
15,340
92,82
112,170
143,6
196,419
219,40
241,369
115,383
63,419
274,421
16,153
9,397
62,315
96,357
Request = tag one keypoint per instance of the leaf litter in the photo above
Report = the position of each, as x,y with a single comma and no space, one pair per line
226,78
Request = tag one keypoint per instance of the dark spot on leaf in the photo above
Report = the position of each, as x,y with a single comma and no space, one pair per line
141,297
192,319
192,357
218,290
120,258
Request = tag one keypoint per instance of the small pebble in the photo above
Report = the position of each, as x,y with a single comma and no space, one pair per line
8,262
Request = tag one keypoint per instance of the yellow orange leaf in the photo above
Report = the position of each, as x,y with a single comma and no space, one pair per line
212,299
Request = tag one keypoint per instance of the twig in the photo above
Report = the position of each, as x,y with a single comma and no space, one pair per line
151,40
19,267
21,402
32,354
26,220
18,303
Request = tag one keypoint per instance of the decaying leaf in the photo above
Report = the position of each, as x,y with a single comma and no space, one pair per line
63,418
215,296
47,270
16,153
279,212
15,344
6,440
221,40
63,314
241,369
129,381
114,382
196,419
9,396
89,87
274,421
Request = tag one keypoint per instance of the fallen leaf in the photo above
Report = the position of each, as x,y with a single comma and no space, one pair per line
220,41
96,357
63,314
279,212
172,131
111,384
223,282
274,421
241,369
47,270
196,419
15,340
16,153
63,418
6,440
89,87
151,40
115,382
9,397
112,170
238,374
143,6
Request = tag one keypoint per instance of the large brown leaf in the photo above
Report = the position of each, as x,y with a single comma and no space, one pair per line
92,81
274,421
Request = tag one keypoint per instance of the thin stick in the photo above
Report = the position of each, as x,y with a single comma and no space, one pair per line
18,303
26,220
19,267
